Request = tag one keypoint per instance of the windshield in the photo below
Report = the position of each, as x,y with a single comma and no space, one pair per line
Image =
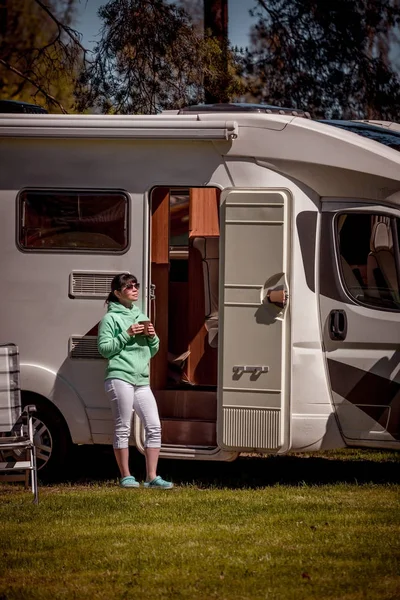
372,132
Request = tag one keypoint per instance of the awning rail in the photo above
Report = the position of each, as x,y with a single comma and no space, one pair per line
106,127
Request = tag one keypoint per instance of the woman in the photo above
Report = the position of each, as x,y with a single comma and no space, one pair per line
129,345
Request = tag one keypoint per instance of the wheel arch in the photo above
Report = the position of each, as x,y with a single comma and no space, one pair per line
59,393
29,397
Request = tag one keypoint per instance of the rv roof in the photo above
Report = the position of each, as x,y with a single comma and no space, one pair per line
290,139
243,107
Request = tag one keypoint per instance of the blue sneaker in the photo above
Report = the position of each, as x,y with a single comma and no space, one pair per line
159,483
129,482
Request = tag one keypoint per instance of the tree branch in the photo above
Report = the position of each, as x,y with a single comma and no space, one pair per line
38,87
70,32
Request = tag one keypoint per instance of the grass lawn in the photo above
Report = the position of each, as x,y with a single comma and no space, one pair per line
325,526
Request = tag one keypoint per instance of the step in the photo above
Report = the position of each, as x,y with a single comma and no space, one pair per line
187,404
188,433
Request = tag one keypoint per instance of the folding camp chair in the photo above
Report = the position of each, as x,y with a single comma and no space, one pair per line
16,424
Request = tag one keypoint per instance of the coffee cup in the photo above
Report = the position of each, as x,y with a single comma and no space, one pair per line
146,327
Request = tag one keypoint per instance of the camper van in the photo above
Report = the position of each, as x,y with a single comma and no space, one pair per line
267,248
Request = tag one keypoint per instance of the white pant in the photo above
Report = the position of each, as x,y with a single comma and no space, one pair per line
126,398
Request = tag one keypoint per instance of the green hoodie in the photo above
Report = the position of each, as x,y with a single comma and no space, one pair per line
128,356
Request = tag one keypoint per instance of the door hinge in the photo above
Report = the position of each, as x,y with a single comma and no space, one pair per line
152,291
256,370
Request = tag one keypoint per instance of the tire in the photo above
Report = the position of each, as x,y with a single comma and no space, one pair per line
52,438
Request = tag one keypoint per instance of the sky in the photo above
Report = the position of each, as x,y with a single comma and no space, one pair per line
239,21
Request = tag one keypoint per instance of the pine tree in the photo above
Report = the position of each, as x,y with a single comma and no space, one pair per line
41,55
331,58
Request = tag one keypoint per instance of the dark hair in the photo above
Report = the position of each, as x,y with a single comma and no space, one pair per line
118,282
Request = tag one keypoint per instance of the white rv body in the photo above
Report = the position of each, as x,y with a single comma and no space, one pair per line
286,182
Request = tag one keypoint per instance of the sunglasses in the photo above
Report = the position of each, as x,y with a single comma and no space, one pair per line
130,286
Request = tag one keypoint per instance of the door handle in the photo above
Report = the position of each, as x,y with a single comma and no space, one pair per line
337,325
278,297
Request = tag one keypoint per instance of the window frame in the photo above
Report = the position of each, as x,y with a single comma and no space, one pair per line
92,191
373,212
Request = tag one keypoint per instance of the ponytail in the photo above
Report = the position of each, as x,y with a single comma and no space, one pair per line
111,298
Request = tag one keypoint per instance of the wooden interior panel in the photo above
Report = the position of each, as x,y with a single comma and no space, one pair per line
201,366
188,433
178,332
187,404
160,278
160,226
204,212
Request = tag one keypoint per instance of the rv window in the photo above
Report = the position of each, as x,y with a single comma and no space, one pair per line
369,258
73,221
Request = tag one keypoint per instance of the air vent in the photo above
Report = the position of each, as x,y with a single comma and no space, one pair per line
84,347
85,284
252,428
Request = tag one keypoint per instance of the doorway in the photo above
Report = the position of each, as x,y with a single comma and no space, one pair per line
184,257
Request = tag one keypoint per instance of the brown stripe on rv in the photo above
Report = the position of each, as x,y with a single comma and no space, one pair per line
374,394
306,224
94,330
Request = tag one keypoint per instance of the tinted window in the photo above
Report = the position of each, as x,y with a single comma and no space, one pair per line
377,134
368,246
73,221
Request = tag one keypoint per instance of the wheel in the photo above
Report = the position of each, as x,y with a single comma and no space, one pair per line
52,438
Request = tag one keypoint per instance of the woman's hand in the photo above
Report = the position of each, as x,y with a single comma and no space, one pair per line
135,329
151,332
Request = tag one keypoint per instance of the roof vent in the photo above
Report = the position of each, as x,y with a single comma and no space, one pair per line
243,107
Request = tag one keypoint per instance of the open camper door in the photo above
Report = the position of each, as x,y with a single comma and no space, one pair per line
254,321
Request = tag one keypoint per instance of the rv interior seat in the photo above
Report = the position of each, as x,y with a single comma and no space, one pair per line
381,265
351,280
209,250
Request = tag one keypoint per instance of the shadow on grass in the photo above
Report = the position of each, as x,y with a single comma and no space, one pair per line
97,464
